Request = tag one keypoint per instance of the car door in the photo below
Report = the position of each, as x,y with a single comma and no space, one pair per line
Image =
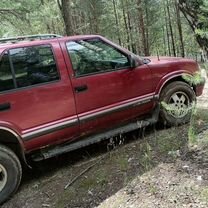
36,97
108,91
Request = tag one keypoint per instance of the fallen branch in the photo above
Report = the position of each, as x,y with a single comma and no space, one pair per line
87,162
84,171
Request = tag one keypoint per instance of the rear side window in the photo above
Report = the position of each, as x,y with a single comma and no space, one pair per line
22,67
6,78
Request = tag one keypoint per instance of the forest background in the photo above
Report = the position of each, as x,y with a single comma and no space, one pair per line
145,27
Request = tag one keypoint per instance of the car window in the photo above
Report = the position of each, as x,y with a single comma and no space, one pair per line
6,78
94,56
33,65
22,67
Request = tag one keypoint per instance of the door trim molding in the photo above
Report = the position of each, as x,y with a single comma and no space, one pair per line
90,115
84,117
41,131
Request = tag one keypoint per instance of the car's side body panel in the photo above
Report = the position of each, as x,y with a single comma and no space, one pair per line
118,95
42,109
166,68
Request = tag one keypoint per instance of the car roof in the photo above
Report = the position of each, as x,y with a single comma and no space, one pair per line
21,42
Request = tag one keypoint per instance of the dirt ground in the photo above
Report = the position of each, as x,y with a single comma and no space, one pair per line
43,186
161,168
182,183
157,166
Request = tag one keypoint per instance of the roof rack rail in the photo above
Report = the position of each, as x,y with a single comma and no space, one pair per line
29,38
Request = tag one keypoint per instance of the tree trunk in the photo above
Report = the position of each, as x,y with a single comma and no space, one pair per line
117,24
126,25
142,29
164,41
94,16
167,32
147,29
180,29
171,30
192,15
133,48
64,6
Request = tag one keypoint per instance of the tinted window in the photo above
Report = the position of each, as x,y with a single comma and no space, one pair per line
93,56
33,65
6,79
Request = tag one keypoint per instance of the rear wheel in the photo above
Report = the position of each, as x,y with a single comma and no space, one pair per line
177,101
10,173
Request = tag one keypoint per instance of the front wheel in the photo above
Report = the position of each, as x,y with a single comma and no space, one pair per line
177,100
10,173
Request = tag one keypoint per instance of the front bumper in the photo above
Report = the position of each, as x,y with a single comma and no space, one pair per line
199,87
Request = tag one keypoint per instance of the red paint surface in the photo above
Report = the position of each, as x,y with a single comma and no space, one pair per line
40,105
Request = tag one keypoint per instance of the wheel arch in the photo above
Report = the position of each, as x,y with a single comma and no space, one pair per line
12,140
167,80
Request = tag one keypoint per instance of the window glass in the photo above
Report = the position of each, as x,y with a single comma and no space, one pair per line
93,56
6,79
33,65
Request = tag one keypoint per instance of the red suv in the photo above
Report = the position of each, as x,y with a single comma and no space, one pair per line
58,94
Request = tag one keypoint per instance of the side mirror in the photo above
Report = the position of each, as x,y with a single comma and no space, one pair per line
134,61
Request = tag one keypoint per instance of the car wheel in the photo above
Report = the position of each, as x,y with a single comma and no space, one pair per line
177,101
10,173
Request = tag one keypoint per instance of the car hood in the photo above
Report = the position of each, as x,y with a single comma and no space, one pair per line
163,60
169,64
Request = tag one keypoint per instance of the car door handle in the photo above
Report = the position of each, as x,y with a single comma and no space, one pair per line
81,88
5,106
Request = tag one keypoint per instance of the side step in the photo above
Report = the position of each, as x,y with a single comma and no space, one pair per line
68,147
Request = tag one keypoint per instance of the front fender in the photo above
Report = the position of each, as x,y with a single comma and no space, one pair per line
176,75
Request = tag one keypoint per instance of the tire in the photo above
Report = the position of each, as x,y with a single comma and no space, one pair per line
10,173
176,102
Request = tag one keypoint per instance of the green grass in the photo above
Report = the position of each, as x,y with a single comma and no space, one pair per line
122,162
199,121
65,197
204,194
204,66
171,140
146,156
